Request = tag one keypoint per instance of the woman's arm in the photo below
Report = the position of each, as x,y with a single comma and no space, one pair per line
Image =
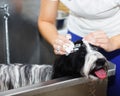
46,24
46,21
99,38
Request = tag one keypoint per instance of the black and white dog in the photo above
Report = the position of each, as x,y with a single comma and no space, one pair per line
85,60
18,75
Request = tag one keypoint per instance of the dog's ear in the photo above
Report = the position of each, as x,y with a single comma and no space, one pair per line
78,45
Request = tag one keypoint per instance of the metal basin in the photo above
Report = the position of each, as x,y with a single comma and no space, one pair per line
65,86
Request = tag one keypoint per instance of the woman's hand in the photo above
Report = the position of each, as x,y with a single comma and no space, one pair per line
62,44
99,38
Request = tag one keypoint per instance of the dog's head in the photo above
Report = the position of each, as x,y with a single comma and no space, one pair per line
84,60
95,63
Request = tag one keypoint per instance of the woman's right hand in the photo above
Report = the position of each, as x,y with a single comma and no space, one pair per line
62,44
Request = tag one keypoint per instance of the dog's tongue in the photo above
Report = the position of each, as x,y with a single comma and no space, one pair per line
101,74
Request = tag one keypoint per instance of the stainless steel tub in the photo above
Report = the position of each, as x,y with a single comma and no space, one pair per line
65,86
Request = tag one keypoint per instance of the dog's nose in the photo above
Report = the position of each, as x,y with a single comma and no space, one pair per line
101,61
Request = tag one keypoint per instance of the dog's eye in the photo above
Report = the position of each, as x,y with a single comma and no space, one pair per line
94,47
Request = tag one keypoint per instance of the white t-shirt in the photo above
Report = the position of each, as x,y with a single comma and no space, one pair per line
90,15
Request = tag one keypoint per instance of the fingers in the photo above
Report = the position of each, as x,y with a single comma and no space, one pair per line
68,36
97,38
62,44
58,49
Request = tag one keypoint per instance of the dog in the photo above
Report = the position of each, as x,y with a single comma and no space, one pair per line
84,61
18,75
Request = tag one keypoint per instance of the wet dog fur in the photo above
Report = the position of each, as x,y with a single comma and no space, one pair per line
83,62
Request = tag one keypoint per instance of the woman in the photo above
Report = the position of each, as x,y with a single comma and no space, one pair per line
97,21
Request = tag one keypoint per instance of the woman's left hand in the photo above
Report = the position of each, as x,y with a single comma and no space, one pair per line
99,38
